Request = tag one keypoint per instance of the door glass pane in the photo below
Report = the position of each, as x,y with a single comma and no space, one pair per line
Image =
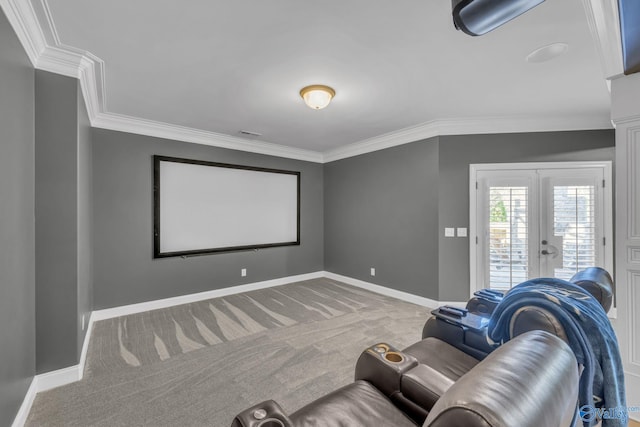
508,236
574,222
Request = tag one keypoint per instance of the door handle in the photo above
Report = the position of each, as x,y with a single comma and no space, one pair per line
553,251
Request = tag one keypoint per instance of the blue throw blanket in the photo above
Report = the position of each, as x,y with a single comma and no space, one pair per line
589,333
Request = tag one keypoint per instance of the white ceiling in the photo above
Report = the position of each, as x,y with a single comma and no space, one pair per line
226,66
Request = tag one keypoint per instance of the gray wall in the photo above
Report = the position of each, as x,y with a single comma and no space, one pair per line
458,152
17,256
85,221
388,209
381,211
63,220
56,221
124,270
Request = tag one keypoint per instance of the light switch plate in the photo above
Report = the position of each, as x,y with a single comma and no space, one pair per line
373,271
449,232
462,232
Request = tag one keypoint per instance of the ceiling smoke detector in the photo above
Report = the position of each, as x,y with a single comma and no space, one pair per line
548,52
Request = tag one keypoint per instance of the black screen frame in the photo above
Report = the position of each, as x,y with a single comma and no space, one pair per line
157,232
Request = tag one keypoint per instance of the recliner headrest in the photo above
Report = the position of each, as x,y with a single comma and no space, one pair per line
532,318
530,381
598,283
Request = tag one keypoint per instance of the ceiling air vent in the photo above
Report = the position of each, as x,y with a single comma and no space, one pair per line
248,134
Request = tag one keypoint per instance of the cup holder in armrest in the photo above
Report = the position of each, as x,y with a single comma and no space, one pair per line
383,365
388,354
265,414
393,357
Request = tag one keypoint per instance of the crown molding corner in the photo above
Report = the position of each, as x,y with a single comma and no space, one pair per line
392,139
92,77
59,60
84,66
604,23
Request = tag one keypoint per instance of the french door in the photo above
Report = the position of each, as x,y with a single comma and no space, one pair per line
538,220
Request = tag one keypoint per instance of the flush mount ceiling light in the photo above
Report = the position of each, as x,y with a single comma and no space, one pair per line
317,96
478,17
547,53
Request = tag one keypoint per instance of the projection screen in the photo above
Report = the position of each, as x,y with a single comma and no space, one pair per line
205,207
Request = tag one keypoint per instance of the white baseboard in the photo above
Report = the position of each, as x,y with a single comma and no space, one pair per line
383,290
85,346
25,408
44,382
124,310
60,377
71,374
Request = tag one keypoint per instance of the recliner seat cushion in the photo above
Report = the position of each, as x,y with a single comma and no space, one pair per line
357,405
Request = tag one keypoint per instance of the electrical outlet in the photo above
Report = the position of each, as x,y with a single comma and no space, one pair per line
373,271
462,232
243,272
449,232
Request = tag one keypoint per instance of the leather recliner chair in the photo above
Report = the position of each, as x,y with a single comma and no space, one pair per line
452,346
453,376
530,381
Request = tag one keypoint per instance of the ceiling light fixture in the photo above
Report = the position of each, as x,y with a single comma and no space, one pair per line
317,96
478,17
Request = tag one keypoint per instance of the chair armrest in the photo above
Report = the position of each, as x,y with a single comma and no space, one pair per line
383,365
265,414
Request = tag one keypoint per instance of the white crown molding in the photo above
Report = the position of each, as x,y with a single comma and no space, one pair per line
467,126
604,23
129,124
34,25
392,139
25,23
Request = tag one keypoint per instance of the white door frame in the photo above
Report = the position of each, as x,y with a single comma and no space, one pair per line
607,195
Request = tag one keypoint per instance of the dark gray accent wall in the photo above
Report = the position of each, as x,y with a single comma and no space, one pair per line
63,220
85,221
56,221
458,152
381,211
124,269
388,209
17,241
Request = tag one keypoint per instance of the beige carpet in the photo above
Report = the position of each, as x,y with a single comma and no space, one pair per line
199,364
